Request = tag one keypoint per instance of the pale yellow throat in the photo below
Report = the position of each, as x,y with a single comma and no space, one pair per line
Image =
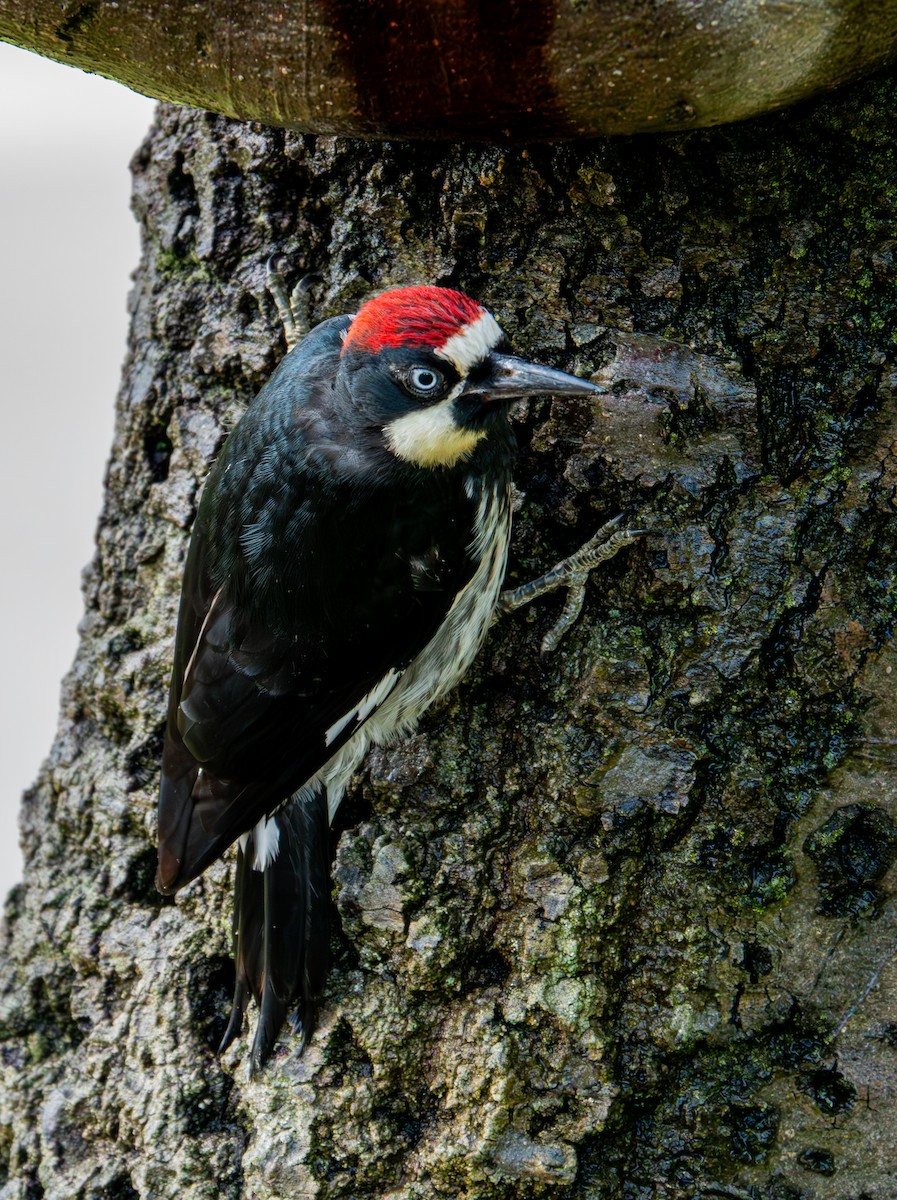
430,437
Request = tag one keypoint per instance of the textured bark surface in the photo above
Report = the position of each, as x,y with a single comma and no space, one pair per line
618,926
460,68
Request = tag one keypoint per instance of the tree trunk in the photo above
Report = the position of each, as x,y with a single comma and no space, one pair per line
616,925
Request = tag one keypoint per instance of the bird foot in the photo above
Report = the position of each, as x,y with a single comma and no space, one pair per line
572,573
293,307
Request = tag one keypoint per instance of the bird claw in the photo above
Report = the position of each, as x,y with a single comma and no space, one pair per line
293,307
571,573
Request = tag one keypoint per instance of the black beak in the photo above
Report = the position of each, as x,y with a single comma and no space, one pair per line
506,377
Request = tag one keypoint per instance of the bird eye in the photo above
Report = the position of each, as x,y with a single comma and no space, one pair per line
424,381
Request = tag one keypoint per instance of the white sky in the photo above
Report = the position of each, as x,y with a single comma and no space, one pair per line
68,244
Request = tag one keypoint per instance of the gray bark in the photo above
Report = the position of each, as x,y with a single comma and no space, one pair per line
619,925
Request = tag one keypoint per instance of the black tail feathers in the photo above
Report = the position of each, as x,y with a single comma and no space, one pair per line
282,925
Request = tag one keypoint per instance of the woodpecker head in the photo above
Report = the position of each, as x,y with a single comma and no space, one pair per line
430,367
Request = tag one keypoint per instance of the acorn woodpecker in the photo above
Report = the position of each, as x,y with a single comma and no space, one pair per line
343,571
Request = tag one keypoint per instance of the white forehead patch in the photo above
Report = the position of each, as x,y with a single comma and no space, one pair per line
431,436
472,343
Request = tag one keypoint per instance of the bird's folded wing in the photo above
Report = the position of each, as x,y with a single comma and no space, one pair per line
257,715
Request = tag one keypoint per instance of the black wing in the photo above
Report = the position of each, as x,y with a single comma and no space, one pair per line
292,612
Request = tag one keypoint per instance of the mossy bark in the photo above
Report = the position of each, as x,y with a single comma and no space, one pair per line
614,926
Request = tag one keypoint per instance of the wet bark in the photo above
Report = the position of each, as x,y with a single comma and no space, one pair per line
616,925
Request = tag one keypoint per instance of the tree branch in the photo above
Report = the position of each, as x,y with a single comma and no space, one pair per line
400,68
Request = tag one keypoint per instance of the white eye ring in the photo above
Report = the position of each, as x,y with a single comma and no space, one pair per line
424,381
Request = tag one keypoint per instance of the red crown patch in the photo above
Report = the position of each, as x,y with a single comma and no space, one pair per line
413,316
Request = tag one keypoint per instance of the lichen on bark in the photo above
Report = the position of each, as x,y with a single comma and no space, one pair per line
618,925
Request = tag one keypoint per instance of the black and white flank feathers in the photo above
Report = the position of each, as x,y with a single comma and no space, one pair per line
342,574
